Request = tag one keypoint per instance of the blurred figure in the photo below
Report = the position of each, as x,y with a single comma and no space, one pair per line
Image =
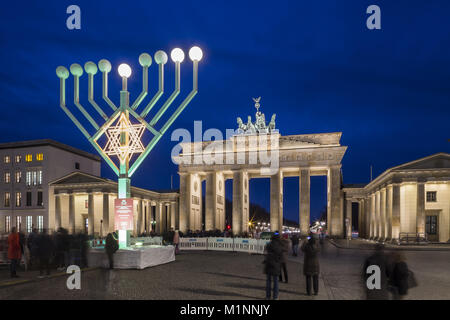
272,265
176,241
14,251
285,249
45,249
311,267
62,247
111,246
32,246
295,242
23,249
378,258
398,276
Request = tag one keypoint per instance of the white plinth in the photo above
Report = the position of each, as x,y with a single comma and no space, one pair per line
133,258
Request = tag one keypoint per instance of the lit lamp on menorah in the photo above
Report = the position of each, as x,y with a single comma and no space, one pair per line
124,137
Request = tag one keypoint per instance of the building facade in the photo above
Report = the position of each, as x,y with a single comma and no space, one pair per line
409,199
26,169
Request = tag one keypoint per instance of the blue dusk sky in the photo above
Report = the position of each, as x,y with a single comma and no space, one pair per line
315,64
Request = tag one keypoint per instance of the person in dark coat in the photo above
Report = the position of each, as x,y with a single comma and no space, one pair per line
295,242
398,276
45,250
14,251
111,246
378,258
285,246
32,245
272,265
311,266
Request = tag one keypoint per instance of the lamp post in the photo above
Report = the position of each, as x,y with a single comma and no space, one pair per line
124,137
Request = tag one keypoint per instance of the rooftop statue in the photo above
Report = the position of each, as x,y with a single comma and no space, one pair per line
259,126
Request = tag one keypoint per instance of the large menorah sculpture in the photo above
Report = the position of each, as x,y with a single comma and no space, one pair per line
124,137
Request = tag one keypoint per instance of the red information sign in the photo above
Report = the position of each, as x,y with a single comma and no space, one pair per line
123,214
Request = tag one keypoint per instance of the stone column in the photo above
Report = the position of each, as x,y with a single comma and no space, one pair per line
91,228
140,217
173,215
210,201
348,219
57,211
240,202
389,212
185,200
383,214
361,218
304,201
420,219
158,217
372,217
276,202
395,212
377,215
106,225
334,213
72,213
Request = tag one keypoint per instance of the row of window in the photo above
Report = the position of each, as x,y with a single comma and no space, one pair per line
29,199
431,196
28,223
28,158
33,177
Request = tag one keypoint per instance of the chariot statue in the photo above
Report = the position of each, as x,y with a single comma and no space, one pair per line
259,126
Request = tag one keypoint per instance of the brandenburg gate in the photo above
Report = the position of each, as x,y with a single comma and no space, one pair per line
257,150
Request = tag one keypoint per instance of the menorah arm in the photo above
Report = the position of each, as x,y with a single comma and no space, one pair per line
76,101
144,91
91,97
144,154
158,94
172,97
104,156
105,90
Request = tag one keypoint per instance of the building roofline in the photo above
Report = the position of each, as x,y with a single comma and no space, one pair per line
48,142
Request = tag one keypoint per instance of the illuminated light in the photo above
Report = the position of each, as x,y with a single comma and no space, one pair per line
124,70
139,244
196,54
177,55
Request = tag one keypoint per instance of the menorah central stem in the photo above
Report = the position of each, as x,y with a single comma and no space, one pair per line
124,180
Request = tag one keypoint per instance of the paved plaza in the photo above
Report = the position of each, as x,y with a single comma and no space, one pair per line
216,275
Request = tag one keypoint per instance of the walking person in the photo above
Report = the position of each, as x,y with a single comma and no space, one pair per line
272,265
32,246
295,242
45,249
176,241
285,250
398,276
311,267
14,251
378,259
111,246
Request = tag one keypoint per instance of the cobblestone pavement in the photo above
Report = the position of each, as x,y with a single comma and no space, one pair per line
236,276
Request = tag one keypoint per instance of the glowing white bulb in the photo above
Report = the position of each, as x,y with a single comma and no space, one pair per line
124,70
177,55
195,53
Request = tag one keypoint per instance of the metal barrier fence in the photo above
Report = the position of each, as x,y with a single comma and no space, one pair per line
224,244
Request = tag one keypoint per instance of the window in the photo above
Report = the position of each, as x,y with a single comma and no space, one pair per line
29,224
18,176
18,159
19,223
7,159
40,201
40,223
431,196
7,199
28,198
28,158
28,178
39,177
34,178
39,156
8,224
7,177
77,165
431,223
18,199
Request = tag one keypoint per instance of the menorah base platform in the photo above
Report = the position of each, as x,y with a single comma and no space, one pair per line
132,257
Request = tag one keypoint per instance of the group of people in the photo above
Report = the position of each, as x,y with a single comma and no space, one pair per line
44,252
275,263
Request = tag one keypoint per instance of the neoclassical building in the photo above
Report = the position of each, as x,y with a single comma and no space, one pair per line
82,202
412,198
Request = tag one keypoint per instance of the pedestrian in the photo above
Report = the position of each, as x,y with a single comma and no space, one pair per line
111,246
32,246
295,242
311,266
176,241
272,265
378,259
398,276
14,252
45,248
285,250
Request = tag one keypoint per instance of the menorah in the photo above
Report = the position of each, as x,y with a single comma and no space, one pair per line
124,138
